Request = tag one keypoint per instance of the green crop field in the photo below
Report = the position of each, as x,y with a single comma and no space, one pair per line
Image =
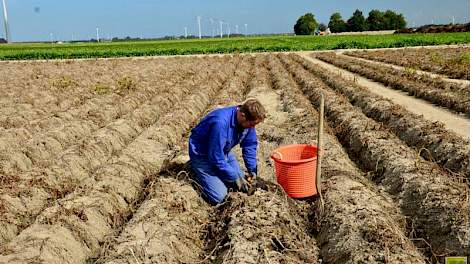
208,46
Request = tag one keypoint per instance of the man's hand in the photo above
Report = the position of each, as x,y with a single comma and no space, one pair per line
242,185
251,176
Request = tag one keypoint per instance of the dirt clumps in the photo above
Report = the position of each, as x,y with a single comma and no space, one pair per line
263,228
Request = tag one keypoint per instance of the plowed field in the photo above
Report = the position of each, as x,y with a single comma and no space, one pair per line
93,166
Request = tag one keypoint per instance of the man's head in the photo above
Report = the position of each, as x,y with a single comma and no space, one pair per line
250,113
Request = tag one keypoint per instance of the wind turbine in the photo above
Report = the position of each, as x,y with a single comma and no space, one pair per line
236,29
221,27
228,30
246,29
199,25
212,26
5,17
185,32
97,34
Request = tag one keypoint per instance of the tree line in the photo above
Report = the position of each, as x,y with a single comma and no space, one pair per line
377,20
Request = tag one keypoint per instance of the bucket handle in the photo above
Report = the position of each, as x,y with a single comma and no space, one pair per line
278,153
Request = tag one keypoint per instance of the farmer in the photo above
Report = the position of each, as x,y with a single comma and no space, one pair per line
210,146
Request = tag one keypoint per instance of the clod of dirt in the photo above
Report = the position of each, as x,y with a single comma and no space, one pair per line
263,228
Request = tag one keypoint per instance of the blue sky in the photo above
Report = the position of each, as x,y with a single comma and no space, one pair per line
37,19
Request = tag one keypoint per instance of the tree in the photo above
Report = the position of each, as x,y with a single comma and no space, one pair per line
2,40
393,20
375,20
322,27
305,25
337,23
357,22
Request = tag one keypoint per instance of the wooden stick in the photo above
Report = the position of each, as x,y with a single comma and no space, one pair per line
319,147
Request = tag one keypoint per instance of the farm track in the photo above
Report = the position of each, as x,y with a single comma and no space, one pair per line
438,92
437,207
73,230
359,223
431,140
439,61
23,148
26,195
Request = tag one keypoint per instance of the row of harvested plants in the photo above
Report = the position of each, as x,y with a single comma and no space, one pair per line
446,94
452,62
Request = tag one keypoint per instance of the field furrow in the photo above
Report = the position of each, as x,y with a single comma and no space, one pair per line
431,140
432,90
73,230
438,208
25,195
359,223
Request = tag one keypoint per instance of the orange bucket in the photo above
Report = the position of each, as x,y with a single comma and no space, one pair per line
295,167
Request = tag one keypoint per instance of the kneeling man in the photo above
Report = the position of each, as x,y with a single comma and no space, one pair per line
210,146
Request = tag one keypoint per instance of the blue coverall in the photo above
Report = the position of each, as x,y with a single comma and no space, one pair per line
210,146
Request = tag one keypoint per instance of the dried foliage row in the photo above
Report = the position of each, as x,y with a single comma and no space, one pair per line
108,199
354,209
453,62
438,208
25,195
435,91
431,139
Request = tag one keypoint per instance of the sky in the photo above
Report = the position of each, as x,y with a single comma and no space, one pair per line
39,20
